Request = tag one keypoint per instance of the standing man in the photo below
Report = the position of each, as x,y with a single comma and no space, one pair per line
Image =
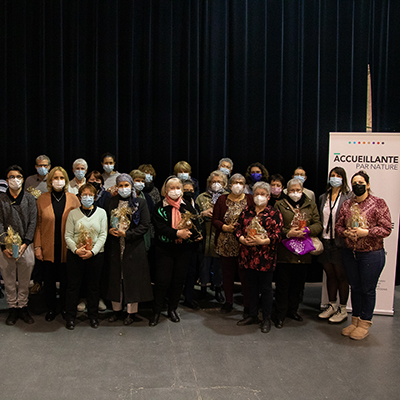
300,174
38,183
18,211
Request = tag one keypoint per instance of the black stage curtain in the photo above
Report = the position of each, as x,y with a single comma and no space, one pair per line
169,80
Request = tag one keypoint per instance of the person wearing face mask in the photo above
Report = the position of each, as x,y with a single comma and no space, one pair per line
300,174
85,236
277,183
173,247
364,221
96,179
79,168
183,171
110,175
129,274
210,264
18,211
225,165
256,172
225,215
37,183
290,272
258,252
149,188
50,247
337,192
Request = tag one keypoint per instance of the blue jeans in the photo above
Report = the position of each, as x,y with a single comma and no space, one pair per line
213,265
363,270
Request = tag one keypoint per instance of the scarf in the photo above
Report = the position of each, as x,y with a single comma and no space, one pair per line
176,215
215,195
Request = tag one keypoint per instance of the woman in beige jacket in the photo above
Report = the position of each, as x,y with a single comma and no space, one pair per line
50,247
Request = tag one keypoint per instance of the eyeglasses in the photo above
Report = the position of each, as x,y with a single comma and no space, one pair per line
15,177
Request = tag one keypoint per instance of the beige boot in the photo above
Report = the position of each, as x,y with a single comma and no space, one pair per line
354,323
361,331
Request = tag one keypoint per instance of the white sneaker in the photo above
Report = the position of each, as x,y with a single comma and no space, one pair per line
339,316
328,312
102,306
81,306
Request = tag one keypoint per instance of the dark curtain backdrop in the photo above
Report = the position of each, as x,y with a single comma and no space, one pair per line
169,80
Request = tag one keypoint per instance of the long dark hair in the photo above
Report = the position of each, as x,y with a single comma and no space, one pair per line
264,172
342,173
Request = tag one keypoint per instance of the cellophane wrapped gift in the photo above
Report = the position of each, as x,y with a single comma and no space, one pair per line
358,220
34,192
299,220
234,214
254,228
186,222
85,237
12,240
121,217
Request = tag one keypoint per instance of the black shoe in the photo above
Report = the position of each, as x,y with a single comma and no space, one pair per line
12,316
25,316
246,312
279,324
115,316
190,304
50,316
218,295
154,319
173,316
295,316
70,324
226,308
131,318
265,326
248,321
94,323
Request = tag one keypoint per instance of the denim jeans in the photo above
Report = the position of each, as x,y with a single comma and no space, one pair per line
210,266
363,270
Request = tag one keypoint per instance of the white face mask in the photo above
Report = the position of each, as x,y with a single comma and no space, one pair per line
125,192
15,183
237,189
216,187
296,196
260,200
58,184
175,194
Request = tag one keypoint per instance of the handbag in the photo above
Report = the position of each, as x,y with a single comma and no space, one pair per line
319,247
299,246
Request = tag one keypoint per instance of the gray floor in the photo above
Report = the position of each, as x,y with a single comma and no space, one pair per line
206,356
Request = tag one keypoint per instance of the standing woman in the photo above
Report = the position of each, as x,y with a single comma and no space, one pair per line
258,252
50,247
364,221
174,247
226,213
85,234
330,204
129,278
256,172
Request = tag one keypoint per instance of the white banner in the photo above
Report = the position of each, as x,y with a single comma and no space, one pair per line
378,154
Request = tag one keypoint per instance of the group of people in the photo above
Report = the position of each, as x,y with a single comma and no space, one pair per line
114,237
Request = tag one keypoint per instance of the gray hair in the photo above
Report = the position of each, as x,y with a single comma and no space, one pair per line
262,185
294,181
226,159
237,177
43,158
219,174
80,161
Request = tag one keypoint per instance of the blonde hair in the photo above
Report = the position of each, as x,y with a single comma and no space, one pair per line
135,173
166,183
147,167
51,175
182,166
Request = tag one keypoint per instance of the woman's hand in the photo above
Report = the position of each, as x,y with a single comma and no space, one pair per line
183,234
350,233
116,232
299,233
81,251
228,228
87,255
199,238
360,232
8,253
255,240
39,253
207,213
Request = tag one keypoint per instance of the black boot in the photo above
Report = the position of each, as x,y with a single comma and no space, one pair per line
218,295
12,316
25,316
115,316
154,319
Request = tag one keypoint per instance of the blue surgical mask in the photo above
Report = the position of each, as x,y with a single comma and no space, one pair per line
183,176
255,176
79,173
43,171
87,201
225,170
335,181
149,178
300,178
125,192
138,186
108,168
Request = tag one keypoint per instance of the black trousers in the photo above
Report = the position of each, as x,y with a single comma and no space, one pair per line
191,277
289,280
170,274
259,282
77,269
54,272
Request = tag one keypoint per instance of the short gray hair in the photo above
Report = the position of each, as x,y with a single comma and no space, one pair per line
294,181
262,185
43,158
219,174
226,159
237,177
80,161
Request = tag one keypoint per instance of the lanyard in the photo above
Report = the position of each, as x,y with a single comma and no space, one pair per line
330,221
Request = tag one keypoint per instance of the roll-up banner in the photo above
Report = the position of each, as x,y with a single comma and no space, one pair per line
378,155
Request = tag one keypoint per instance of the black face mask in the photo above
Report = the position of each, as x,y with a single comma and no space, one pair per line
96,185
188,195
359,190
